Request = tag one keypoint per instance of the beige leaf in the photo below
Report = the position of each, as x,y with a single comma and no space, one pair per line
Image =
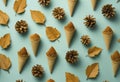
4,18
5,41
92,70
5,2
5,62
71,77
118,40
19,6
38,16
106,81
52,33
94,51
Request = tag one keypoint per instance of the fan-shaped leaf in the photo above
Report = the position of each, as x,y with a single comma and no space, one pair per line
5,41
92,70
94,51
5,62
38,16
52,33
19,6
4,18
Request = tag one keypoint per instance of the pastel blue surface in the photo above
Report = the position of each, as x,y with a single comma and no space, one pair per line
83,8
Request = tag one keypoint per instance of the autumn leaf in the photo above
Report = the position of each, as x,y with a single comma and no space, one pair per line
94,51
5,2
4,18
71,77
5,62
92,71
38,16
5,41
106,81
19,6
118,40
52,33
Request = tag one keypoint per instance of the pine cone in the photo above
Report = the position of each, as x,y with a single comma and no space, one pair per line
19,80
85,40
44,2
21,26
90,21
58,13
37,71
108,11
71,56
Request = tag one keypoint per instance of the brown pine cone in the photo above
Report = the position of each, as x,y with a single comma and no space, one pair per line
44,2
21,26
37,71
58,13
85,40
90,21
108,11
19,80
72,56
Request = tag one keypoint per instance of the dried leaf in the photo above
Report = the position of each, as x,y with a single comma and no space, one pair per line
4,18
92,70
71,77
52,33
5,62
94,51
38,16
5,2
5,41
106,81
118,40
19,6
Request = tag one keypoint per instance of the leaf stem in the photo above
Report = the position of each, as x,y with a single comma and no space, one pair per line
8,26
15,14
58,40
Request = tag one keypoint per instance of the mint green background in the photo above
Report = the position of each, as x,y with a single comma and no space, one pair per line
83,8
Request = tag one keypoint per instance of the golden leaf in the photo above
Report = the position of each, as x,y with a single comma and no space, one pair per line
4,18
92,70
71,77
5,62
38,16
52,33
94,51
118,40
5,2
106,81
19,6
5,41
